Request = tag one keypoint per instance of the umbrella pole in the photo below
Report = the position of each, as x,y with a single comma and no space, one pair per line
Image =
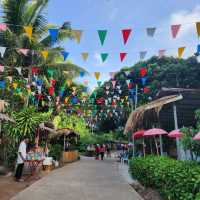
156,145
161,145
143,147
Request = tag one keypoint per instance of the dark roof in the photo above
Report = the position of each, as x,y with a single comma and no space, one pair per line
185,107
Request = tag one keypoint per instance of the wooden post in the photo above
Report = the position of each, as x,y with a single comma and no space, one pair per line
161,145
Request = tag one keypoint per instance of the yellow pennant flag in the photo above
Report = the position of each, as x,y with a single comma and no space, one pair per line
180,51
66,99
122,100
69,83
9,78
97,75
45,54
198,28
77,35
84,56
29,31
74,89
126,98
15,85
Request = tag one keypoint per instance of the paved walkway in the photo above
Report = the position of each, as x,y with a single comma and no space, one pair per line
84,180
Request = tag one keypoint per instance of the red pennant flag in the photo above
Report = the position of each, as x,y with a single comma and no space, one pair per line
126,33
143,72
175,29
146,90
51,91
35,70
122,56
53,82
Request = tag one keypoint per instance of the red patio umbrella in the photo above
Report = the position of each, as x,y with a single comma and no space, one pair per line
197,136
138,134
175,134
154,132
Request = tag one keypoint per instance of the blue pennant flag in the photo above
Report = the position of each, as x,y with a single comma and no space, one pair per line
82,74
2,84
132,91
74,100
198,49
61,93
39,82
64,54
85,89
144,79
54,34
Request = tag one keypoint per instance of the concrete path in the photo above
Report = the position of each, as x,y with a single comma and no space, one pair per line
87,179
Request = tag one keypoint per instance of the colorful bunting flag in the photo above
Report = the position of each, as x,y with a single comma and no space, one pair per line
35,70
2,84
50,72
146,90
198,49
69,83
127,82
180,51
15,85
23,51
143,72
126,33
28,31
102,36
144,79
82,74
1,68
175,29
112,75
114,83
2,51
19,70
45,54
198,28
97,75
85,82
84,56
151,31
99,83
51,91
3,27
104,56
161,53
122,56
53,34
143,55
10,78
64,54
78,35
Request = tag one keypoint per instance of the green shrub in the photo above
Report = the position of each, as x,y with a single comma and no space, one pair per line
176,180
55,151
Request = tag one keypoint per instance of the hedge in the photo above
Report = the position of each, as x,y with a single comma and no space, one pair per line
174,179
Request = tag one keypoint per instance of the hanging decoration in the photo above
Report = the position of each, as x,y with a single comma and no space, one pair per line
45,54
151,31
198,49
99,83
78,35
143,72
3,27
53,34
161,53
1,68
144,79
2,51
2,84
112,75
19,70
114,83
104,56
122,56
23,51
126,33
35,70
198,28
180,51
82,74
175,29
64,54
84,56
29,31
50,72
102,36
97,75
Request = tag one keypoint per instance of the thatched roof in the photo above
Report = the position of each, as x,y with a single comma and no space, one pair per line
136,118
48,126
65,131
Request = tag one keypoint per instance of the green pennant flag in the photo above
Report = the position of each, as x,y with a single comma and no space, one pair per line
99,83
104,56
102,35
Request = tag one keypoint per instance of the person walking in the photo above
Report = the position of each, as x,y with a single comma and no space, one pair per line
21,158
97,151
102,151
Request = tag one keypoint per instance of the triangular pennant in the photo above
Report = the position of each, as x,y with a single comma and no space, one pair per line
104,56
127,73
50,72
198,49
114,83
82,74
144,79
146,90
45,54
69,83
84,56
102,35
2,84
1,68
180,51
198,28
29,31
127,82
66,99
175,29
97,75
2,51
161,53
112,75
151,31
122,56
107,92
99,83
143,54
15,85
53,34
23,51
143,72
3,27
126,33
64,54
19,70
10,78
35,70
77,35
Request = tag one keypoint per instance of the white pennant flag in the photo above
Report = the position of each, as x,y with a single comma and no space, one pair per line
127,82
2,51
19,70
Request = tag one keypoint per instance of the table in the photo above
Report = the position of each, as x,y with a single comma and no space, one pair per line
33,166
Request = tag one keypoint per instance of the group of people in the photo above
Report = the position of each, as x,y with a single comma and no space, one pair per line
100,151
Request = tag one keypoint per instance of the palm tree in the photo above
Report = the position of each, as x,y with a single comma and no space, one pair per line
20,13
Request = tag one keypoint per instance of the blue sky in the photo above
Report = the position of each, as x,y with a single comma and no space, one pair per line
114,15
